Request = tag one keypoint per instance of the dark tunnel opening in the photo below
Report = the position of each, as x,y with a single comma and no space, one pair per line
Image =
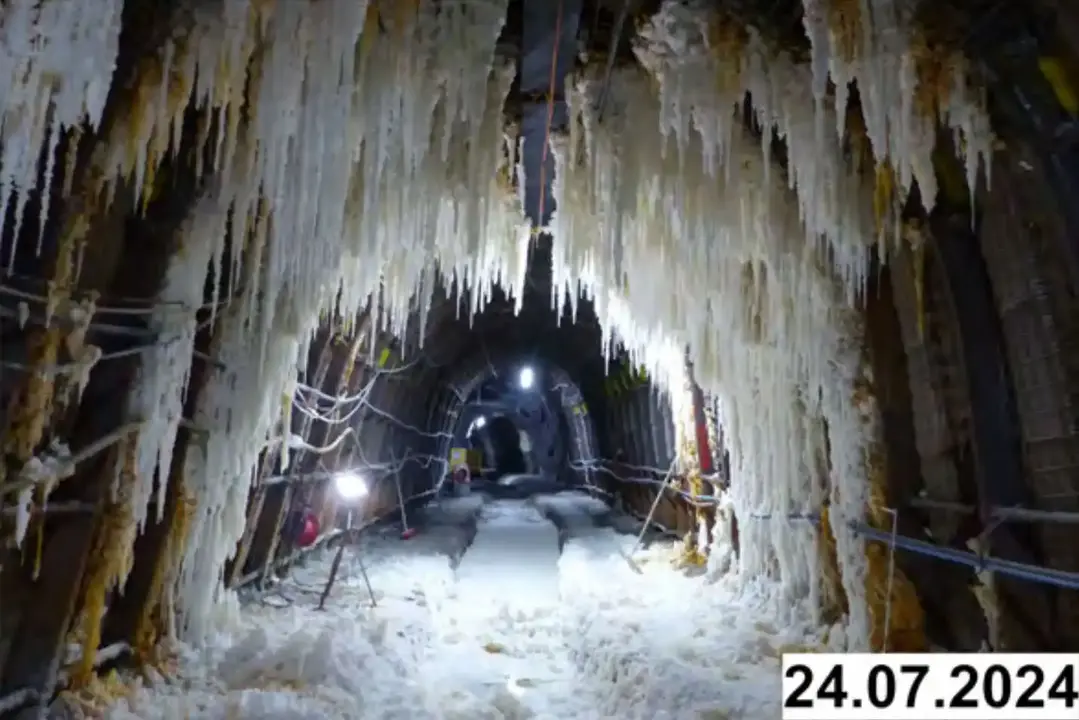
504,444
518,414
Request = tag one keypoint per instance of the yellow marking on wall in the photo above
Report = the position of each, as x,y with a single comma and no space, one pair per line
1057,78
458,456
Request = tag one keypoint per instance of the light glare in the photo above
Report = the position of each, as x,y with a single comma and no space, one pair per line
350,485
528,376
480,422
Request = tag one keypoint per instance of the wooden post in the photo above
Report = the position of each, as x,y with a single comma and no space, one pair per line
40,641
263,547
700,463
138,616
251,524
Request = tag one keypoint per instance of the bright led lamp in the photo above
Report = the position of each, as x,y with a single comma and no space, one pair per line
527,377
350,485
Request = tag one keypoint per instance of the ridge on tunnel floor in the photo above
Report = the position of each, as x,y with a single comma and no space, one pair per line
517,630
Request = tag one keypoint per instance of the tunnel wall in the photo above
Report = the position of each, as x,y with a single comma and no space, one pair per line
984,387
934,401
641,429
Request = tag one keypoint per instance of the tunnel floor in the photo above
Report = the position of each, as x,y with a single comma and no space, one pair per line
495,609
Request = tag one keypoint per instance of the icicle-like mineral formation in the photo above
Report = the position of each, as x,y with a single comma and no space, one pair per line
158,398
374,159
687,233
56,64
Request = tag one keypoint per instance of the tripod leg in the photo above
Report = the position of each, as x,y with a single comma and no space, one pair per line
401,501
333,574
366,578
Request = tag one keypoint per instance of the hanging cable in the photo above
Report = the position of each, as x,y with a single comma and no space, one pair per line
153,307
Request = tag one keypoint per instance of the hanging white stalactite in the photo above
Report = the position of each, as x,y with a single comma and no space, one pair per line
362,155
56,65
673,216
158,397
372,160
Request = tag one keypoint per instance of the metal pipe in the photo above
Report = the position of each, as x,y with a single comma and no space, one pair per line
695,500
1017,514
1022,571
1033,515
946,505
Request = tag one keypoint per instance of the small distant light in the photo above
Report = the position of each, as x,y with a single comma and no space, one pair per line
350,485
480,422
527,378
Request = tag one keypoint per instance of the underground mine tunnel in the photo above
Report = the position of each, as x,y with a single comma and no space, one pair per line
529,358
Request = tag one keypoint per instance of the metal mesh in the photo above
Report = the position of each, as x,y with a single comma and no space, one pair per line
1022,245
932,434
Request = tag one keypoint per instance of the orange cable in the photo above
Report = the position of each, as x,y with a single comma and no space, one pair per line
550,115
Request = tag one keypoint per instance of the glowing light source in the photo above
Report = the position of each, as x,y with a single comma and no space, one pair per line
350,485
476,424
527,378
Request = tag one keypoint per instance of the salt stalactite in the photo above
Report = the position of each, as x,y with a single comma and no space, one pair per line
204,62
373,158
56,65
239,410
677,48
672,214
160,388
723,257
882,56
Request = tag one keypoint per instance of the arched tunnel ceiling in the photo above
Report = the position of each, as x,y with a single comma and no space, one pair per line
966,387
459,352
456,348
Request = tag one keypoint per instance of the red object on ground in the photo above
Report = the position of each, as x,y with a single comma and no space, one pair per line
410,532
309,532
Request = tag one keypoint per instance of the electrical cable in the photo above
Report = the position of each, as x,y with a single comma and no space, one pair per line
108,310
55,369
297,443
380,372
18,484
550,113
695,500
107,328
313,414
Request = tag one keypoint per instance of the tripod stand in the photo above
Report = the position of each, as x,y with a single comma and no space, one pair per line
351,535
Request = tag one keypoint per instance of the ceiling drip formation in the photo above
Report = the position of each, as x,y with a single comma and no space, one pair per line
358,150
674,214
